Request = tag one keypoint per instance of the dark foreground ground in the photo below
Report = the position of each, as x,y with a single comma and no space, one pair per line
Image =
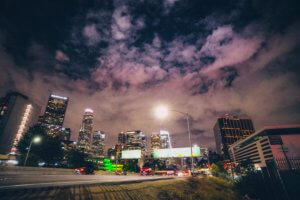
192,188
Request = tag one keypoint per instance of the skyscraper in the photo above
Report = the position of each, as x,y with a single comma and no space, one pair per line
98,145
111,153
155,141
54,116
17,114
135,140
118,152
55,110
122,138
165,140
65,134
86,130
229,129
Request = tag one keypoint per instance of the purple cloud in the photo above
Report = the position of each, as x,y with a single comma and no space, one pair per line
129,80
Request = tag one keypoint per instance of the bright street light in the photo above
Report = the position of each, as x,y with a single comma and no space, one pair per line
36,140
161,112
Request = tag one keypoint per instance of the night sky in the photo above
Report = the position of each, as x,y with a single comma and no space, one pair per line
121,58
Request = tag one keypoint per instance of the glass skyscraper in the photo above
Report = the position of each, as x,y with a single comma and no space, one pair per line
86,130
135,140
155,141
228,130
165,140
55,110
54,116
98,145
122,138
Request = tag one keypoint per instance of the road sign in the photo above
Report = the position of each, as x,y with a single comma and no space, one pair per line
176,152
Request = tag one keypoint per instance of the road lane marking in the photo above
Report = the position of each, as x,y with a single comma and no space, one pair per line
71,182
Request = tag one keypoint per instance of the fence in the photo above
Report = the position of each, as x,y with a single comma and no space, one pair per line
290,164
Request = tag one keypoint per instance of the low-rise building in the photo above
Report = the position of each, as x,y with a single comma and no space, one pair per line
279,145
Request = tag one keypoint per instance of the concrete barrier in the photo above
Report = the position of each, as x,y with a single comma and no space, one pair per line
18,170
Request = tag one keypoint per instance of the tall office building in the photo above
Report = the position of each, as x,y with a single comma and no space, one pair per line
165,140
86,130
122,138
17,114
65,134
98,145
135,140
229,129
54,115
118,152
111,153
55,110
155,141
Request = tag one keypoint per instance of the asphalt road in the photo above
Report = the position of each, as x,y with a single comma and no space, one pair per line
91,187
38,181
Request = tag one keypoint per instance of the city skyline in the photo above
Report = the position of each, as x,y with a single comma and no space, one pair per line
123,59
76,137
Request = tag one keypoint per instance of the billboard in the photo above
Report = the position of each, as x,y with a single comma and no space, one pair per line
131,154
176,152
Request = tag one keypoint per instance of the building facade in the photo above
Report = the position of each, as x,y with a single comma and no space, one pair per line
279,145
86,130
155,141
55,110
165,140
230,129
65,134
122,138
54,115
98,146
118,152
17,114
111,153
135,140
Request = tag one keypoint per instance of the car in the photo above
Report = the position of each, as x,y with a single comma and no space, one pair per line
80,170
202,173
169,172
84,170
146,171
182,173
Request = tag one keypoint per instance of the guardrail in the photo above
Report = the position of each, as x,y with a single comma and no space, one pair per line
15,170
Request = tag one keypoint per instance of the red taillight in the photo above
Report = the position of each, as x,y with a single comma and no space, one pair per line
81,169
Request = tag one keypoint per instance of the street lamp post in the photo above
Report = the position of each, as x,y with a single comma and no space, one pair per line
187,117
36,139
162,112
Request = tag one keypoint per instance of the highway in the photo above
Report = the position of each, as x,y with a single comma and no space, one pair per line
78,186
37,181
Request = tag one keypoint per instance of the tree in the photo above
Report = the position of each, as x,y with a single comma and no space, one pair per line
49,151
76,158
132,165
218,169
252,184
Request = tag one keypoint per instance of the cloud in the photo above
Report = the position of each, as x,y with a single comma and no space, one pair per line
169,3
229,48
226,70
91,34
276,46
121,23
61,56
